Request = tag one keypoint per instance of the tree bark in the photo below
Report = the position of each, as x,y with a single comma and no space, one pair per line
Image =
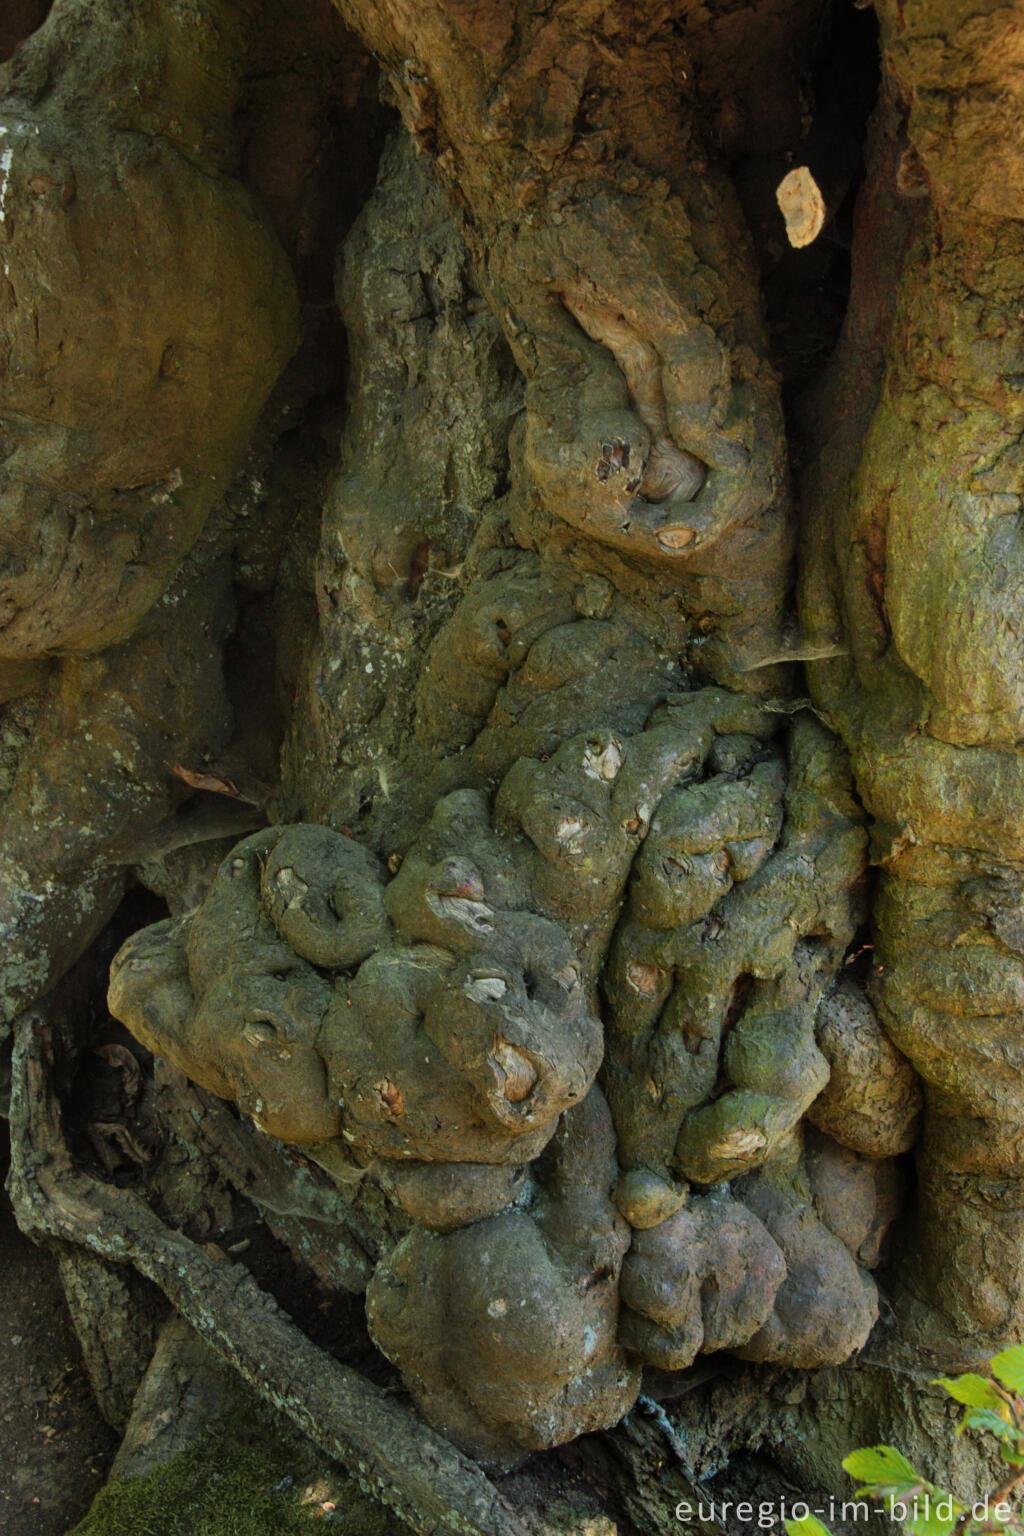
417,492
918,575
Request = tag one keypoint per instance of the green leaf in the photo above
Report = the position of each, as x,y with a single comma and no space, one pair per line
971,1390
1008,1367
985,1418
930,1523
881,1464
1014,1454
808,1526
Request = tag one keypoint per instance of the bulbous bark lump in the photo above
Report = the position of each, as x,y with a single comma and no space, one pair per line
578,771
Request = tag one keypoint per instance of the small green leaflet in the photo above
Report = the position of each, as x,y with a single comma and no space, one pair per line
931,1523
984,1418
881,1464
971,1390
810,1525
1008,1368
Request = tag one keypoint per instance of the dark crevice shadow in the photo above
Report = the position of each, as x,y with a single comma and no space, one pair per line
806,291
18,20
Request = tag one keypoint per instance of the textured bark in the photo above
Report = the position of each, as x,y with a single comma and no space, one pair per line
919,575
463,595
116,1316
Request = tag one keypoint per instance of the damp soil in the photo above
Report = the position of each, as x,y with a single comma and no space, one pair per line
55,1448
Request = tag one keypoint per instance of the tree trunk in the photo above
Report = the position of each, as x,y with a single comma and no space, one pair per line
427,459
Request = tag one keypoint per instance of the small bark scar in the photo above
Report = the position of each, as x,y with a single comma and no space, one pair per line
669,477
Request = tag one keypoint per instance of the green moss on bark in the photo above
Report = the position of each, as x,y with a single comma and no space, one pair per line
251,1482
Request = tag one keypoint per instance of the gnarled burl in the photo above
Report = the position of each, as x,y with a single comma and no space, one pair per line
558,988
440,1033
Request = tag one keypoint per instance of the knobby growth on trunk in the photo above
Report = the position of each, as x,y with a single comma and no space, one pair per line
551,646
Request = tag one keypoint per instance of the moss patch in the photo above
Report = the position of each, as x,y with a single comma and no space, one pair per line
253,1483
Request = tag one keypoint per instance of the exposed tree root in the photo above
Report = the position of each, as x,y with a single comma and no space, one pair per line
391,1453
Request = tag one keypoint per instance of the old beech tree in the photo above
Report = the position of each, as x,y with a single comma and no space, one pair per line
511,658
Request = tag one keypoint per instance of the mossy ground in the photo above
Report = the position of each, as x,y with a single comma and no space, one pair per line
257,1481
